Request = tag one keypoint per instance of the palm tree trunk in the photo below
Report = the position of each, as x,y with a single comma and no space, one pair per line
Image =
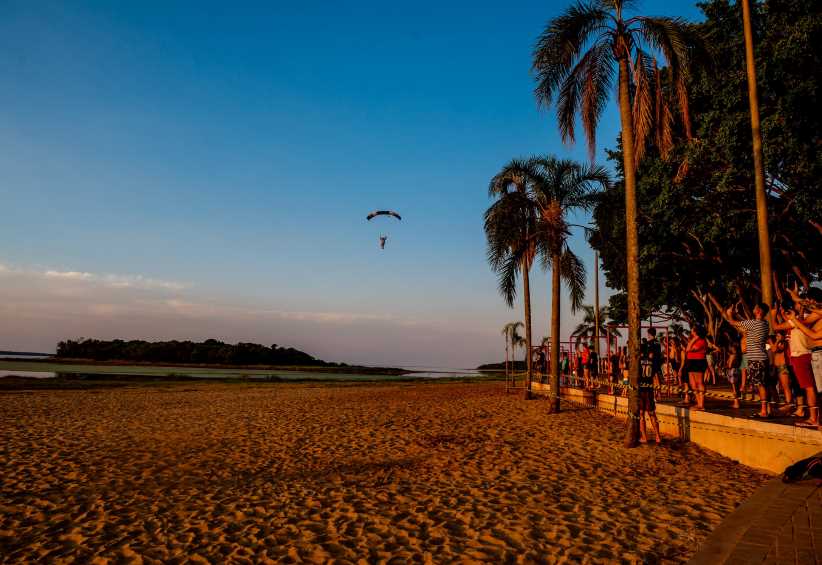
555,289
759,167
631,254
596,303
526,291
507,381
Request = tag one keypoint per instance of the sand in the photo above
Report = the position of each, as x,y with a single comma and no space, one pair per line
315,473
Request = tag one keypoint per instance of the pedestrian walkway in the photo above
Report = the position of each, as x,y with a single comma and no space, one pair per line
780,524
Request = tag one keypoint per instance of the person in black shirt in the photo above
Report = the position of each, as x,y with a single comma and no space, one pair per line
655,360
647,404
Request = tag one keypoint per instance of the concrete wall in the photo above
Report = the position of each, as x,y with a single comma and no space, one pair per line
759,444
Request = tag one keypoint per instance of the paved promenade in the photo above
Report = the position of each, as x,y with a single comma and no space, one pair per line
780,524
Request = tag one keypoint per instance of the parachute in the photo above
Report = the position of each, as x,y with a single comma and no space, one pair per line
389,213
376,213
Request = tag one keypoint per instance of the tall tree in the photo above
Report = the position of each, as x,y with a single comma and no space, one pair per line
575,59
510,332
510,231
759,166
700,231
562,186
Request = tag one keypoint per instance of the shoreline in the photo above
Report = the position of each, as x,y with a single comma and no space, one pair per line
85,381
68,362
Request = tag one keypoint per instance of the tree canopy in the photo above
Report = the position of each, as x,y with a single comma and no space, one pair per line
208,352
697,219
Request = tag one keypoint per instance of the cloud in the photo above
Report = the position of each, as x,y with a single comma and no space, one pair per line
46,305
115,281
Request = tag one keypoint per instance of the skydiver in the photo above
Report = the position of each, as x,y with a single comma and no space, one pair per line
382,241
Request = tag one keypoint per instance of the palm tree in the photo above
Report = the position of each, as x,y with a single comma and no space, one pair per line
520,342
510,230
574,60
759,166
587,328
563,186
512,338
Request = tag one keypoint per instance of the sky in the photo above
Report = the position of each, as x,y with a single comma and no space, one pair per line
187,170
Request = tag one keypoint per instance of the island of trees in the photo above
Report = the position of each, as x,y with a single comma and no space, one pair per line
208,352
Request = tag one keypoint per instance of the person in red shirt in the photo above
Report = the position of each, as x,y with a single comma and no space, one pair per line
586,364
695,353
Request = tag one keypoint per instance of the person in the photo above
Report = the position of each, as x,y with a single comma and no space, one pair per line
593,365
756,332
674,358
710,372
732,365
782,370
743,367
647,403
540,364
615,370
585,360
624,366
695,353
383,239
802,364
811,326
565,365
655,360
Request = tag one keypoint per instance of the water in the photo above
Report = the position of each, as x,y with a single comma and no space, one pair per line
16,356
171,372
29,374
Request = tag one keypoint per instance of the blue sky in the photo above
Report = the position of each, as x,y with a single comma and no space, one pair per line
196,169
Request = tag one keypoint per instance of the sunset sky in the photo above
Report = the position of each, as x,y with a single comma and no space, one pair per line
204,169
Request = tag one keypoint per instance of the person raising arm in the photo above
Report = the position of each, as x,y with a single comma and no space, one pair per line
756,335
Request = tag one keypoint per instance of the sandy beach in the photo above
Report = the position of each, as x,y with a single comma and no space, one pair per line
314,473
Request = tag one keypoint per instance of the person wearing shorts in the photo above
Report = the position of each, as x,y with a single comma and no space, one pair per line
614,370
732,365
655,359
756,331
802,367
782,370
695,365
647,404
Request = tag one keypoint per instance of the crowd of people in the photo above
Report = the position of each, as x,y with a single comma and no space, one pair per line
772,354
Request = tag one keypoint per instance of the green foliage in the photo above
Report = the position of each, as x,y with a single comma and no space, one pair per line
209,352
697,222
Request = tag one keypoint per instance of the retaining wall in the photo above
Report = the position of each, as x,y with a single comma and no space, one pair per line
760,444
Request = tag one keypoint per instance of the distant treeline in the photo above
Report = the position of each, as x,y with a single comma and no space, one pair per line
209,352
512,365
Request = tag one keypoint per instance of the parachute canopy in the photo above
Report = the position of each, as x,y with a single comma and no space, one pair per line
376,213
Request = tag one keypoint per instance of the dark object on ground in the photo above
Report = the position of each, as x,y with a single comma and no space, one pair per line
810,468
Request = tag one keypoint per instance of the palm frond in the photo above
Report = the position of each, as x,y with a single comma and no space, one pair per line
561,44
642,112
680,44
664,118
572,272
598,81
516,173
588,84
